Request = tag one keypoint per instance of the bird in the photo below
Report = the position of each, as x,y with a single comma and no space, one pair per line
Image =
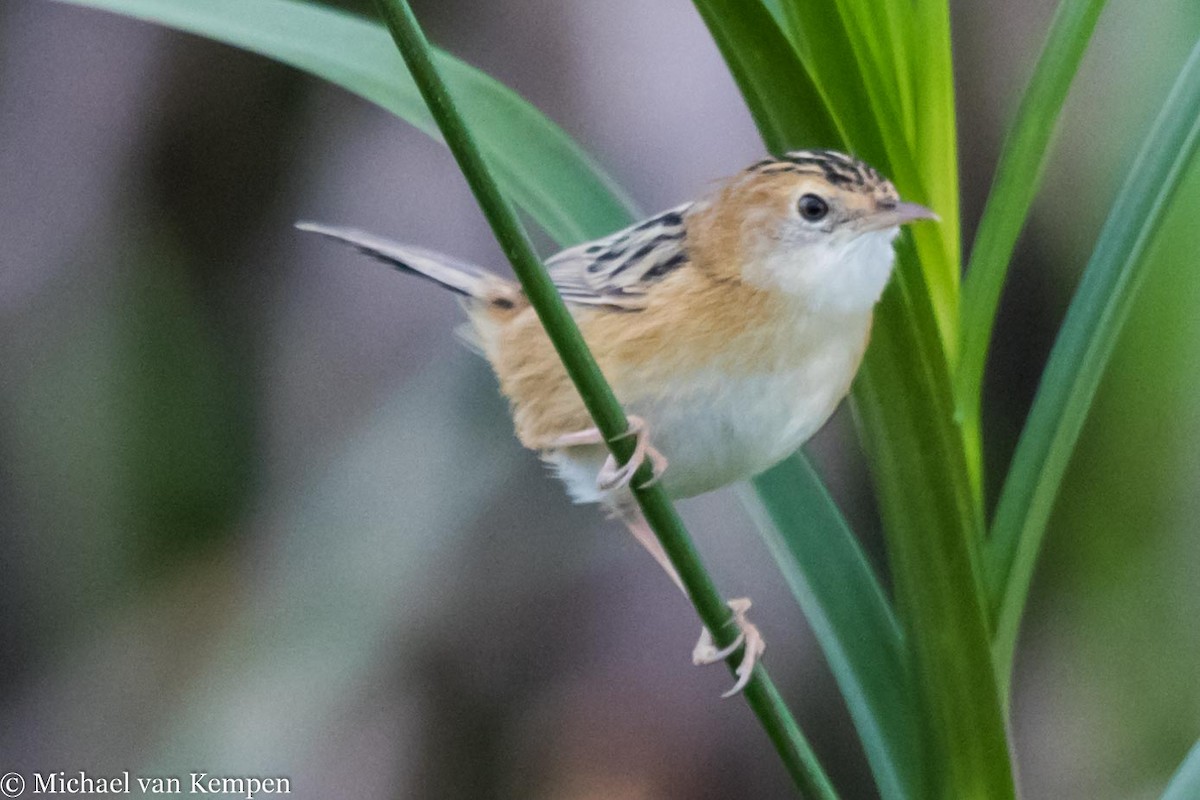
730,328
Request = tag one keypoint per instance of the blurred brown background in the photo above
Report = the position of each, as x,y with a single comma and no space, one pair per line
261,514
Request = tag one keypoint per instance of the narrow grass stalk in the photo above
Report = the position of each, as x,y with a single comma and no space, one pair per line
598,397
1018,175
850,614
1079,357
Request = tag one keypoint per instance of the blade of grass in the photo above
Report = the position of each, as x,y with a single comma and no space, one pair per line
852,619
760,694
870,27
1185,785
936,145
543,170
1080,354
1018,175
898,31
903,402
823,46
799,113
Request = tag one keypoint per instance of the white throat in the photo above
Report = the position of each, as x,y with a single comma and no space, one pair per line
830,276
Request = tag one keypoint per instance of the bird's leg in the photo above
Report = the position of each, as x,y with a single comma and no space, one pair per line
632,516
706,651
612,476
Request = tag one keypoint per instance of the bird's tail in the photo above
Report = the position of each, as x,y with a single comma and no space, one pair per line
460,277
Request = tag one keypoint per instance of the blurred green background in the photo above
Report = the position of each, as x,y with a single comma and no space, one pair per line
261,514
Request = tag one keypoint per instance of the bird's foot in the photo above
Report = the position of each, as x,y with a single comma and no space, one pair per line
706,651
613,476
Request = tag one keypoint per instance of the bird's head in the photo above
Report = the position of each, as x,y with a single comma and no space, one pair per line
815,224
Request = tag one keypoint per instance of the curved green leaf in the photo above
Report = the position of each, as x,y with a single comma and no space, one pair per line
764,64
852,619
1018,175
823,46
538,165
834,42
1080,354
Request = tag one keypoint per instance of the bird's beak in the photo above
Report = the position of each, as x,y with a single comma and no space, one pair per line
899,214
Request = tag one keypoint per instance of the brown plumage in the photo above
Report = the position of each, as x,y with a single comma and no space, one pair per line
729,328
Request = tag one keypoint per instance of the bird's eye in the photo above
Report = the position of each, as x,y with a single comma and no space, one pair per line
812,208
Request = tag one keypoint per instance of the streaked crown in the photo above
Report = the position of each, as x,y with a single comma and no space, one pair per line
838,169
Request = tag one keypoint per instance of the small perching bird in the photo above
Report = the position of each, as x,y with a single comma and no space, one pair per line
730,328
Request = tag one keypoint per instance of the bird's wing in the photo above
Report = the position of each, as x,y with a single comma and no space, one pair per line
616,271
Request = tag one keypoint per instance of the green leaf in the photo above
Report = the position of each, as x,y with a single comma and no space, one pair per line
928,491
1018,175
834,48
538,165
936,139
904,405
1080,354
823,47
1185,785
846,607
764,64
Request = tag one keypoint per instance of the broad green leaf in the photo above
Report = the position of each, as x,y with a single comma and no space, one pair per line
846,607
776,9
897,31
1185,785
903,401
539,166
928,500
870,31
823,46
1080,354
1018,175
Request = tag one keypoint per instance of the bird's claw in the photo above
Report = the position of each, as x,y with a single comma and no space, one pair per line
706,651
613,476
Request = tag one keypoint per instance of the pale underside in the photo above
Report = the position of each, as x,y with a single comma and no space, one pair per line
729,379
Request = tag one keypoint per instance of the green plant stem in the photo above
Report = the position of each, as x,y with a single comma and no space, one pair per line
1018,175
597,396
